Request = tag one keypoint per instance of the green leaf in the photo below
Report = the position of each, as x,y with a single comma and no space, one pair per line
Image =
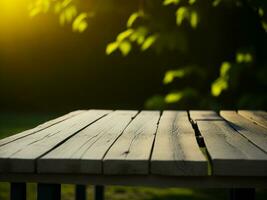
132,18
191,2
181,14
149,41
225,67
134,36
248,58
264,25
139,35
57,7
70,13
125,34
39,6
111,47
176,96
193,19
125,47
65,3
218,86
216,3
181,72
261,12
67,15
244,57
173,97
168,78
171,74
140,39
221,83
60,5
80,24
168,2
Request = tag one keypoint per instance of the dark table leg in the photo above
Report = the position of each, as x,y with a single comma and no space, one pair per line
242,194
18,191
99,192
80,192
48,191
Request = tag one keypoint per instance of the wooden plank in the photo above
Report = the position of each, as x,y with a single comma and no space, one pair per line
197,115
256,134
84,152
259,117
176,151
130,154
39,128
231,154
20,155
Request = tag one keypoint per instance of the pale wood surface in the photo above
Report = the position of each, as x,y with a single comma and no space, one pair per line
104,143
231,154
83,152
38,128
20,155
204,115
253,132
131,152
259,117
176,151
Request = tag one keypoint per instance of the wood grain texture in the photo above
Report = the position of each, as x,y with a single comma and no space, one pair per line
259,117
121,143
39,127
253,132
197,115
83,153
176,151
130,154
231,154
20,155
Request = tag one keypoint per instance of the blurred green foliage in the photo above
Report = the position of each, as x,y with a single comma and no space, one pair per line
221,83
210,75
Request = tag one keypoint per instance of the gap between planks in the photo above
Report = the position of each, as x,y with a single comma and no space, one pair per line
230,153
176,151
20,155
84,152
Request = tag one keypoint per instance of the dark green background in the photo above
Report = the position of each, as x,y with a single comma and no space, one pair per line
45,67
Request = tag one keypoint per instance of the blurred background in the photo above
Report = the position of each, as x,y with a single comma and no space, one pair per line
46,67
176,54
60,55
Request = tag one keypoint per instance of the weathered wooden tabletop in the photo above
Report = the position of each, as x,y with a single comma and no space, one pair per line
141,147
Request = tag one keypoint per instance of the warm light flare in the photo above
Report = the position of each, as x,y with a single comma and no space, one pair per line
13,15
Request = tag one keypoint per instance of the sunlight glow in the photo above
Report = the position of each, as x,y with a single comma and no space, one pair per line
13,14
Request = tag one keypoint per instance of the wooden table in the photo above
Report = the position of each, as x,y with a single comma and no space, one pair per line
151,148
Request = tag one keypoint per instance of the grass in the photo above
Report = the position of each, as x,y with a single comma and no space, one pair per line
12,123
